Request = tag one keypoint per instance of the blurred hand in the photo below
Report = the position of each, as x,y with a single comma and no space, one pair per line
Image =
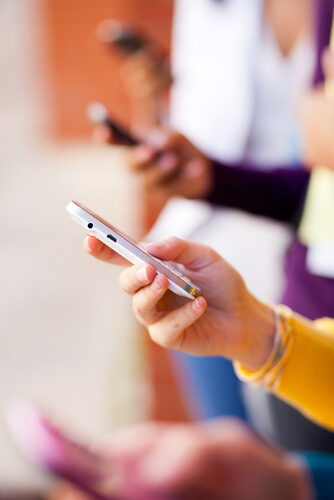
171,165
317,120
228,322
217,460
147,80
166,163
146,74
102,134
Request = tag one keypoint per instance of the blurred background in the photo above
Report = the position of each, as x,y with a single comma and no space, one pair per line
68,338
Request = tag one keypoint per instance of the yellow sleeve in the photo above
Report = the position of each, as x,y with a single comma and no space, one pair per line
307,376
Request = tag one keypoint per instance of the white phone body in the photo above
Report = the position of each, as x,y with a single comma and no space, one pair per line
130,249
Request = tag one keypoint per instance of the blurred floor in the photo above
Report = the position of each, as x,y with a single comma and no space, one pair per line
68,339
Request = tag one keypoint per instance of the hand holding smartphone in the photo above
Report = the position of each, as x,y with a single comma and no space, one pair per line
131,250
46,445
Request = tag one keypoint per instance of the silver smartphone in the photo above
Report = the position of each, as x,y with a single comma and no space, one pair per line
131,250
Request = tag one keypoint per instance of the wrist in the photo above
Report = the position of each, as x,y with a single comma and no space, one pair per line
269,373
258,335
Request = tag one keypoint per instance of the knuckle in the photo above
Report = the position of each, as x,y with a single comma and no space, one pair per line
168,338
137,310
127,281
123,281
175,328
174,241
138,305
212,254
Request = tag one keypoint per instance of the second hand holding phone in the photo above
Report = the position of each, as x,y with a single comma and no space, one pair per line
131,250
99,114
51,448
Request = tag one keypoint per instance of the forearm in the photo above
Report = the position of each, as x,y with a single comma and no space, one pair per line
278,193
306,380
299,368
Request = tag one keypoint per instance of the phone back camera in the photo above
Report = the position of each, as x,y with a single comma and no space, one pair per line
90,225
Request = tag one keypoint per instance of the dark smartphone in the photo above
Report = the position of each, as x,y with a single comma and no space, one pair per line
99,114
121,36
128,40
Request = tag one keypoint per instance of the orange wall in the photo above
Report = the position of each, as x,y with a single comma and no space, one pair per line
80,68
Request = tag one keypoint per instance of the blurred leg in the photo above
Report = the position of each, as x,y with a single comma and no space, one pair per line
209,386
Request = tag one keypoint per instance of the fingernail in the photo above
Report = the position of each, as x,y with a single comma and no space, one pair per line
198,304
157,282
87,243
141,275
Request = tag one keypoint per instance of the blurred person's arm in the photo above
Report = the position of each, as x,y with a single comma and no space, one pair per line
212,460
317,120
277,192
147,84
209,451
145,70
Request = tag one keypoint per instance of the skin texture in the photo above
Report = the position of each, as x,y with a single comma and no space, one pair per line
161,461
317,120
166,163
171,165
289,19
215,460
226,321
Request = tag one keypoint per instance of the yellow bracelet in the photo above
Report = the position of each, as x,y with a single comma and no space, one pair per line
269,375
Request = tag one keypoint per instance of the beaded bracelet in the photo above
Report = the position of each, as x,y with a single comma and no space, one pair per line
269,375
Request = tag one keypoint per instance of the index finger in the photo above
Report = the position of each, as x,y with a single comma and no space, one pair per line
100,251
140,157
190,254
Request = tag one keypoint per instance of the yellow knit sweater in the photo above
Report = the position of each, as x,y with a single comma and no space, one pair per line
307,376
